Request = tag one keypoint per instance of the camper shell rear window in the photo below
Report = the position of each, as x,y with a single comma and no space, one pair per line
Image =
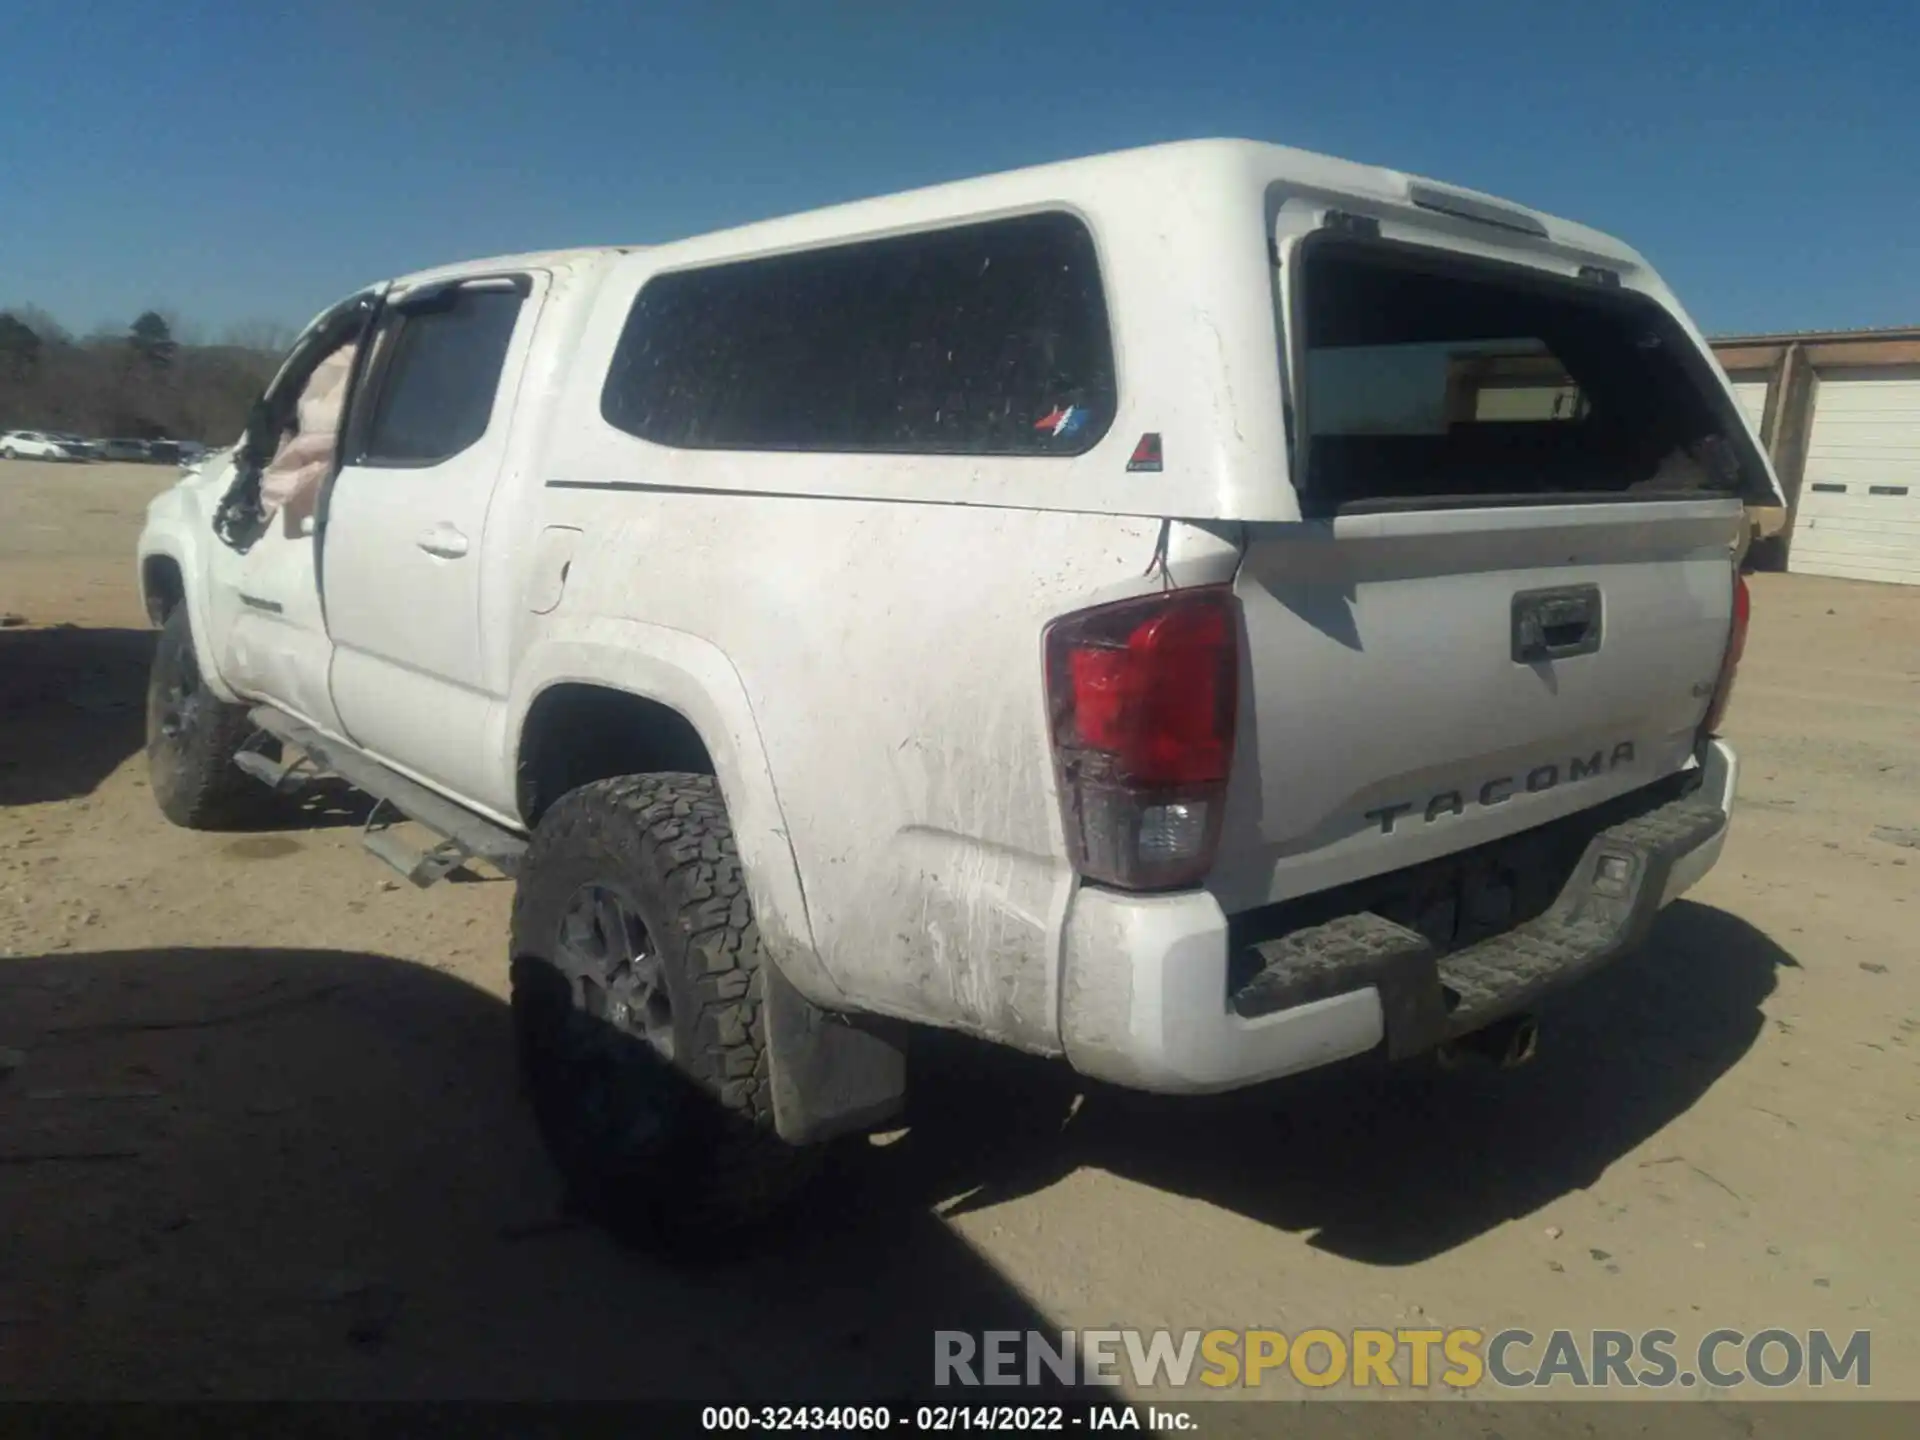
1434,380
980,339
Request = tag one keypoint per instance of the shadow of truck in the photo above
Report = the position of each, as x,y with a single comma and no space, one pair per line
301,1173
273,1173
1393,1165
72,709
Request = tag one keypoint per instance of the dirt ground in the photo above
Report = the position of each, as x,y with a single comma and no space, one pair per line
263,1138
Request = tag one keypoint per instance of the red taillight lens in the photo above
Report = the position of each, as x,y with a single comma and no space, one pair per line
1736,647
1143,696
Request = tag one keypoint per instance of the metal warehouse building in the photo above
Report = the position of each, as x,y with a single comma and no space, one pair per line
1839,413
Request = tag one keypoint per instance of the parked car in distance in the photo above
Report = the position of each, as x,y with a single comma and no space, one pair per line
37,445
124,449
78,446
164,452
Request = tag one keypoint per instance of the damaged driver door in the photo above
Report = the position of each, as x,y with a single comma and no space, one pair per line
272,639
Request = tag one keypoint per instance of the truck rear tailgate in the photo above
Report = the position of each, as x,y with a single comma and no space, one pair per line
1385,720
1513,587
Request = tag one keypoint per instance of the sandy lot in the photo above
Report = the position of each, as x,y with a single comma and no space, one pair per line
266,1141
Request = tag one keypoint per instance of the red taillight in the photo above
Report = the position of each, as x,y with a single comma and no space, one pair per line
1736,646
1142,696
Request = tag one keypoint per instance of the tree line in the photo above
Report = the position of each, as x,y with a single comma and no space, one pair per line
145,384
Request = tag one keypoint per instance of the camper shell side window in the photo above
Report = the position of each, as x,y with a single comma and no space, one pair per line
978,339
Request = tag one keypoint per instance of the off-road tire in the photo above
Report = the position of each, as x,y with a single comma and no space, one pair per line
192,737
706,1159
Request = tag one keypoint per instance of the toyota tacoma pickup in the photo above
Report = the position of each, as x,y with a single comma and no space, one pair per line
1200,613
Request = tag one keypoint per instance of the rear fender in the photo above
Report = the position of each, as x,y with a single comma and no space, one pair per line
828,1076
695,678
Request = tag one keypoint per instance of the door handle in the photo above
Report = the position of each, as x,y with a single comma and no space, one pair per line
445,541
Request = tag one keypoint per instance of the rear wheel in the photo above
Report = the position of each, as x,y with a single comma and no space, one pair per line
638,982
192,737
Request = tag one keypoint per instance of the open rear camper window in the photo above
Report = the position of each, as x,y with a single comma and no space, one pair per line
1432,380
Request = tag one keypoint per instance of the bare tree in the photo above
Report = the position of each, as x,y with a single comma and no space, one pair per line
139,380
19,348
184,332
268,337
50,330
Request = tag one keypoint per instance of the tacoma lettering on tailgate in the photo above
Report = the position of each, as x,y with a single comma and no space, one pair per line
1502,788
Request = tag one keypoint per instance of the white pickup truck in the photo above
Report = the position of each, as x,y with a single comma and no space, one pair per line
1200,612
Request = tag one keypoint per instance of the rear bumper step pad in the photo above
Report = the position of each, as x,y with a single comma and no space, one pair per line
1427,995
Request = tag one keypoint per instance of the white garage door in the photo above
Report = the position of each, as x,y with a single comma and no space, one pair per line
1751,397
1859,512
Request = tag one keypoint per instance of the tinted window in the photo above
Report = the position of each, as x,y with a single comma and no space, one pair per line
1423,388
439,378
1428,378
985,339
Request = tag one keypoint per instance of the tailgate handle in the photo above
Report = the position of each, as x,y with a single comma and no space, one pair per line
1555,624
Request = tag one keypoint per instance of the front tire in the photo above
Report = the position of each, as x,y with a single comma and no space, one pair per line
638,984
192,737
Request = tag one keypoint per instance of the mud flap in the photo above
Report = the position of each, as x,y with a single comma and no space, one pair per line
829,1077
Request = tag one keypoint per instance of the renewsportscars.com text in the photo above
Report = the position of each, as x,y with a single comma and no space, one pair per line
1458,1359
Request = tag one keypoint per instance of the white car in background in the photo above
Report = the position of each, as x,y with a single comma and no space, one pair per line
36,445
77,446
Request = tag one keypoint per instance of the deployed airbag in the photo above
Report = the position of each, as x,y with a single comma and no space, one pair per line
290,485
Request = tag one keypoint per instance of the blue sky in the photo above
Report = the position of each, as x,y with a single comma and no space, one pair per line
226,163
